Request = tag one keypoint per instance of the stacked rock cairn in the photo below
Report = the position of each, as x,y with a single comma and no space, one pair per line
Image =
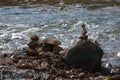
85,54
49,44
83,33
33,46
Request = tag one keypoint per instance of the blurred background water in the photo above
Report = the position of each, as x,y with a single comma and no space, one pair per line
18,22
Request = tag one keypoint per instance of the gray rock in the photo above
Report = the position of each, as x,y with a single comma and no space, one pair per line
85,54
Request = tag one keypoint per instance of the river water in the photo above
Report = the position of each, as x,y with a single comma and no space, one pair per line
61,20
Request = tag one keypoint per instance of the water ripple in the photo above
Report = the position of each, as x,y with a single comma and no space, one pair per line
17,23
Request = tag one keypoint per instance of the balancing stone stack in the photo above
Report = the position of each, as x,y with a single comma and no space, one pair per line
33,46
85,54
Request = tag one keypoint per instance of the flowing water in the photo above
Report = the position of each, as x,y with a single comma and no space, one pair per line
61,20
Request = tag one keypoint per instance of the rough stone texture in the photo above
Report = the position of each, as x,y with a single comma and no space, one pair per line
85,54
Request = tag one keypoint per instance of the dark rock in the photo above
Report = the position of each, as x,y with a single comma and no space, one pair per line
51,48
4,55
104,71
33,44
85,54
83,37
96,42
57,49
51,44
48,47
83,26
32,52
34,37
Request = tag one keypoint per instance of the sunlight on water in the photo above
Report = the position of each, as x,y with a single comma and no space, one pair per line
17,23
